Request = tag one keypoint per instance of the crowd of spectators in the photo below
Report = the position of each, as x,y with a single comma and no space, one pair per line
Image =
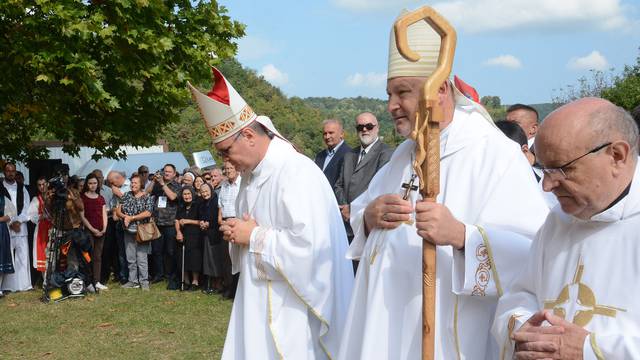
189,254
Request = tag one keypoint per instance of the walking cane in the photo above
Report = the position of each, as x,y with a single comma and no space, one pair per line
182,281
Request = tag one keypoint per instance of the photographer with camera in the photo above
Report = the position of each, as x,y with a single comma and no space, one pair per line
165,189
70,244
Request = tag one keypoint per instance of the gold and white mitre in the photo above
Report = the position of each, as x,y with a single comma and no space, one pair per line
224,111
425,41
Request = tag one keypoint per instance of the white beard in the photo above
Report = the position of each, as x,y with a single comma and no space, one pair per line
366,140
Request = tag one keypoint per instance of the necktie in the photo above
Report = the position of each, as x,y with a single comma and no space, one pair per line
362,154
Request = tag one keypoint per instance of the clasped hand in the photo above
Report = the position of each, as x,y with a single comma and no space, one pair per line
561,340
238,231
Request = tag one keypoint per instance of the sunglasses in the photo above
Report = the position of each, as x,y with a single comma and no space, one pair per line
361,127
207,178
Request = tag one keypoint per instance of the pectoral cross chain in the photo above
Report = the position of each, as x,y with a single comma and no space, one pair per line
409,187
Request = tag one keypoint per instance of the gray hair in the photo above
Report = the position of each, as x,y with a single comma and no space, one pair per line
614,120
332,121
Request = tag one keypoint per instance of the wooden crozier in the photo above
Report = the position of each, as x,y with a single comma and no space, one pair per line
426,133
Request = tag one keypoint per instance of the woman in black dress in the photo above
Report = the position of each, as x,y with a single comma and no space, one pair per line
213,256
188,233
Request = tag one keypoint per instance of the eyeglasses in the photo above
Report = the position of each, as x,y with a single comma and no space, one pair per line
560,173
361,127
223,153
207,179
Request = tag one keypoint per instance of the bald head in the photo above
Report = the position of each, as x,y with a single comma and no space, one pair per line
589,148
586,123
332,132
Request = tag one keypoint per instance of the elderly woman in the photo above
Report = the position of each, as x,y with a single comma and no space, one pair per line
135,208
188,178
213,246
188,233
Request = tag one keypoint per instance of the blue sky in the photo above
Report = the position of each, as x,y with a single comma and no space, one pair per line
518,50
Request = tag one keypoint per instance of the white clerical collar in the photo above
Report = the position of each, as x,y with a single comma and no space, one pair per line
366,149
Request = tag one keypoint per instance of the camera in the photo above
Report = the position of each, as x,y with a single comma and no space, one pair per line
59,187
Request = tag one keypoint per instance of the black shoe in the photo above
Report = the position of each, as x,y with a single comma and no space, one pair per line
156,279
185,287
123,281
228,295
194,287
173,285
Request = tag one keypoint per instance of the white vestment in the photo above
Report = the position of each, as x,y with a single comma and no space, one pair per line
484,181
585,272
295,281
20,280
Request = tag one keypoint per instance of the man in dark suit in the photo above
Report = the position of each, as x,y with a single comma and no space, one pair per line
330,159
360,165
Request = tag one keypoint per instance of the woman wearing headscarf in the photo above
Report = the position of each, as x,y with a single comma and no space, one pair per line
188,233
188,178
213,246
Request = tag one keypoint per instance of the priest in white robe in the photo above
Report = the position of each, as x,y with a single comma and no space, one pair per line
18,195
576,297
288,241
486,213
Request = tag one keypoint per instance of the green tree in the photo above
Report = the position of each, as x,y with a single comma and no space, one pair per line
625,90
103,73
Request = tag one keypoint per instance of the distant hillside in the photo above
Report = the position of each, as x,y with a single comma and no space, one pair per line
297,119
346,109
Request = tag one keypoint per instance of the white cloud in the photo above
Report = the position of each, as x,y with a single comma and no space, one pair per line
274,75
369,80
498,15
593,61
491,15
507,61
372,5
254,48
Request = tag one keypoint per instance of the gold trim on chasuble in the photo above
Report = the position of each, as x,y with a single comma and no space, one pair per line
579,293
270,320
595,347
510,326
486,267
261,235
455,328
313,311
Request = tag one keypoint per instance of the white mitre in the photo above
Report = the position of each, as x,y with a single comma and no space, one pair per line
224,111
425,41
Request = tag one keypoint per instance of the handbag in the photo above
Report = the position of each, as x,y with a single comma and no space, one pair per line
147,232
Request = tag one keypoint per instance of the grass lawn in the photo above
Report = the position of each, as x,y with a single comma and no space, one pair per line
116,324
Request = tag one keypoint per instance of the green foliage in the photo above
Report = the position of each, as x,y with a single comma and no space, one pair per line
102,73
625,91
296,120
347,109
591,86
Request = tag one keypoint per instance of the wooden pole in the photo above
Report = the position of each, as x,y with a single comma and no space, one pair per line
426,133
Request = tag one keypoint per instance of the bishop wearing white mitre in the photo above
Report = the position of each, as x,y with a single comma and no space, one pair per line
576,297
288,242
487,211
